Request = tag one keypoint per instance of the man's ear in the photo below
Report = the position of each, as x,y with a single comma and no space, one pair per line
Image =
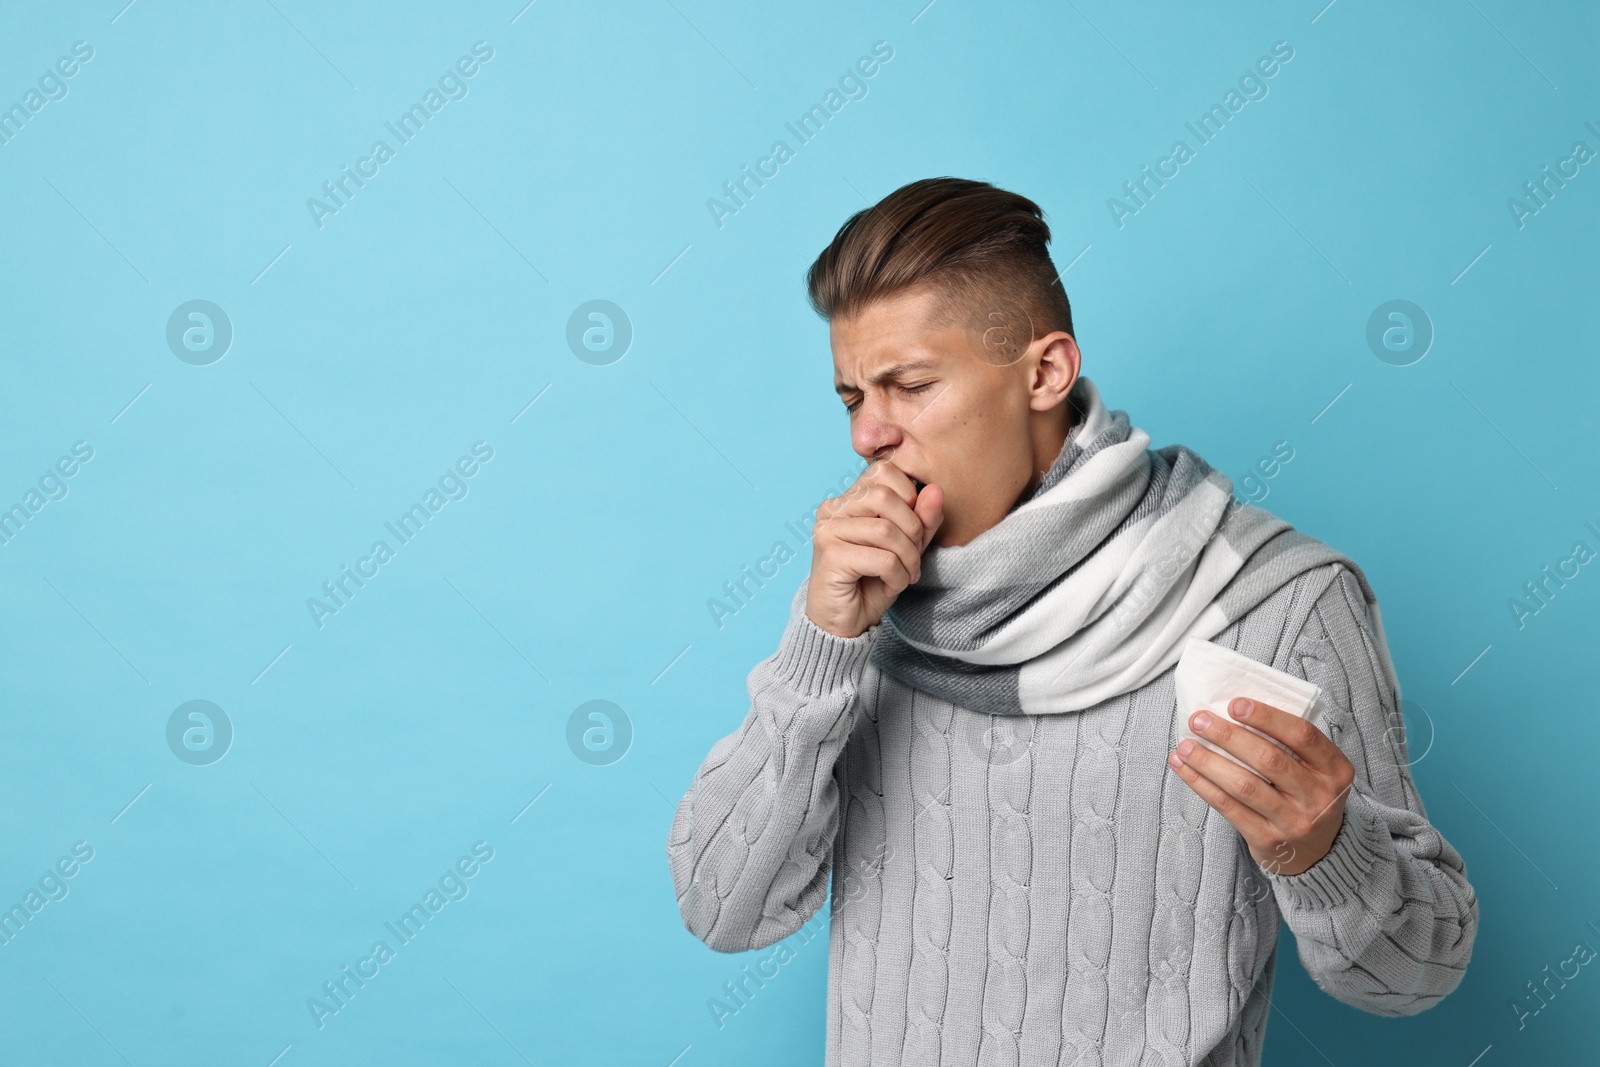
1055,372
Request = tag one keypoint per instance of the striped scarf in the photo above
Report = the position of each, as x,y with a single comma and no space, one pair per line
1089,588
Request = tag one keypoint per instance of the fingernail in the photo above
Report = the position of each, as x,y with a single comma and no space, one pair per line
1240,707
1202,719
1185,747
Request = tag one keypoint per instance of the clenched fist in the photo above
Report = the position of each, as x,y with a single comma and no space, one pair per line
866,548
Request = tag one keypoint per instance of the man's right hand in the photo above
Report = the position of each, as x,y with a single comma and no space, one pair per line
866,548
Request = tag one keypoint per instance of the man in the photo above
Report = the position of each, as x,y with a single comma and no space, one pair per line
971,724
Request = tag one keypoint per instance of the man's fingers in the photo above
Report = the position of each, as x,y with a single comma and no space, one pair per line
886,491
867,561
1241,786
886,473
1245,819
875,531
1302,737
1280,768
880,500
882,473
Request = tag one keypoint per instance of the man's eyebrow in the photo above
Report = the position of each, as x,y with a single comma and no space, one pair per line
899,370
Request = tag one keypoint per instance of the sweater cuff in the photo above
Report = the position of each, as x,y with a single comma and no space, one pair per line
812,661
1339,877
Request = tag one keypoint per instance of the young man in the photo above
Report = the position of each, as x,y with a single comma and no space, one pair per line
971,723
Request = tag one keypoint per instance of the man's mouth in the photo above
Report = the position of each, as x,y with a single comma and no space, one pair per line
920,485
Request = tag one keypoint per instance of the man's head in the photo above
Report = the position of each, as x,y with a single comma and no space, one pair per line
952,343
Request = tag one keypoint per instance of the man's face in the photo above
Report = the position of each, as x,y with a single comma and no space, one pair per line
949,410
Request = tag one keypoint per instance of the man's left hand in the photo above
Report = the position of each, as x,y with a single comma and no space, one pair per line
1290,820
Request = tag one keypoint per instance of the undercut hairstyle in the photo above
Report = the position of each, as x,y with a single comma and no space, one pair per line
980,248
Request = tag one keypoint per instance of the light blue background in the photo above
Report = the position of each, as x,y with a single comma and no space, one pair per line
1228,314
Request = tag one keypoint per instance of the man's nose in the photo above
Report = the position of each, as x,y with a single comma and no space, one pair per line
873,435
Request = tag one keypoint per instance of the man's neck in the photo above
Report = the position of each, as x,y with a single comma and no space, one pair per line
1048,441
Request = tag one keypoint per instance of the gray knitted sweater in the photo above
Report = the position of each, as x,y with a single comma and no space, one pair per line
1051,893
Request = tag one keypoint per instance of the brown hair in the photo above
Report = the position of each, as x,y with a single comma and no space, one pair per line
981,248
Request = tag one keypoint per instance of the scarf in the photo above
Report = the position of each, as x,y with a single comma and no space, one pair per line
1090,587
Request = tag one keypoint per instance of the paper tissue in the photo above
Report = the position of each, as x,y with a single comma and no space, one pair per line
1209,676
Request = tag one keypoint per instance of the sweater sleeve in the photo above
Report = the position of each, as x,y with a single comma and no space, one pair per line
751,841
1386,920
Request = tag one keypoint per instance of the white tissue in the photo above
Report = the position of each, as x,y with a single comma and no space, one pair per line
1209,676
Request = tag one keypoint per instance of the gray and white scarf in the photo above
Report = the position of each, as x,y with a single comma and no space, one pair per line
1090,587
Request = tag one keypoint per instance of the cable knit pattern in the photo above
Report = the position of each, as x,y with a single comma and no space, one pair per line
1043,890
